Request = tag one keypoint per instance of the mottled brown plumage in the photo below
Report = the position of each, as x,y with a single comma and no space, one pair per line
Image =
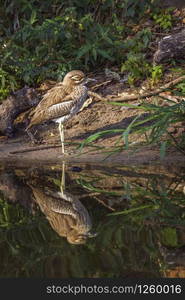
68,90
65,213
61,102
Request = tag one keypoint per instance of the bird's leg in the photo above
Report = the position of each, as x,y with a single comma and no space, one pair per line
62,183
61,130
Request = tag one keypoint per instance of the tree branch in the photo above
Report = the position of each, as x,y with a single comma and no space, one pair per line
139,96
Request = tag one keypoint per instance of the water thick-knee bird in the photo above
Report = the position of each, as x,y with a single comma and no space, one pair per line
64,211
61,102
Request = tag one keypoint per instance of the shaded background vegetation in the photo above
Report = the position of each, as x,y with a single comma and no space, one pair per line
45,39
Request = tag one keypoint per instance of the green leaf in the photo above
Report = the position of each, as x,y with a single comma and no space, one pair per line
127,131
169,237
97,135
33,17
104,54
163,150
83,50
94,52
128,211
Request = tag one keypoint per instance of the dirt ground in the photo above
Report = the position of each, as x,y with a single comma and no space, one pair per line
96,116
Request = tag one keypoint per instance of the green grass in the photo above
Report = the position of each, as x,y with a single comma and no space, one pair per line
153,127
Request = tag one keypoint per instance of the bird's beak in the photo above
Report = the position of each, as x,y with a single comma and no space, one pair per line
92,235
87,80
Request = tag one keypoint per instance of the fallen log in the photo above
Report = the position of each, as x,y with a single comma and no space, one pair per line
15,104
171,46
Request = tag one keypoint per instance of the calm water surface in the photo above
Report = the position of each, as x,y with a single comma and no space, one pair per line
68,221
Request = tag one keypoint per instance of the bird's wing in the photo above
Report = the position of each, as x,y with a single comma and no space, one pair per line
58,103
55,95
60,110
55,103
53,112
64,208
48,201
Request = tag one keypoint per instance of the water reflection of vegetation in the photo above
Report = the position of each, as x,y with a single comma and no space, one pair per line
131,244
153,196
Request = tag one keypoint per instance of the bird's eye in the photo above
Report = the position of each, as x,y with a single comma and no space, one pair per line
76,78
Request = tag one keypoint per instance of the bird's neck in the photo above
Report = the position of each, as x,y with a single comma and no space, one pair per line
68,88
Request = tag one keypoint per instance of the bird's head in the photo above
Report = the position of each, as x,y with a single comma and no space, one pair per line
79,238
74,78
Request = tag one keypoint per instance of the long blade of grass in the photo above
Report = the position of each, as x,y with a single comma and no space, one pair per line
128,211
97,135
163,150
127,131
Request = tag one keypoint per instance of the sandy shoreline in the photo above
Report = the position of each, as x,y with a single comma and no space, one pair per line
9,154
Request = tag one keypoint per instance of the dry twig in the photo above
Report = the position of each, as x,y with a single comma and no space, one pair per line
35,149
139,96
151,93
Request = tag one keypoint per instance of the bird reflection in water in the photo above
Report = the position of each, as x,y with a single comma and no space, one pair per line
65,213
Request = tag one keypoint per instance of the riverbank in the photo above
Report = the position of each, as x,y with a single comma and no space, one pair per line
22,154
